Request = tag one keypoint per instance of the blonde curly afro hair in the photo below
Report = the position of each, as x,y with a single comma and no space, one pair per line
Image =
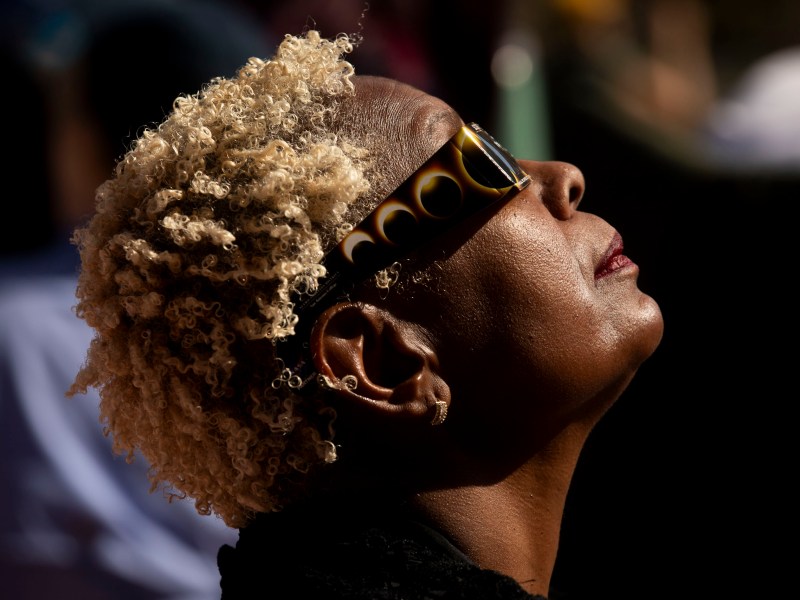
208,226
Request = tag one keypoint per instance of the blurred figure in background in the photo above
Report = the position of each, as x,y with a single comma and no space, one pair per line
701,82
76,522
756,126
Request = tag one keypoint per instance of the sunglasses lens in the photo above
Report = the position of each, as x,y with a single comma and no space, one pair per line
489,163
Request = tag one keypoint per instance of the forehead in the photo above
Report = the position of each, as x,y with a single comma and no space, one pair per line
401,125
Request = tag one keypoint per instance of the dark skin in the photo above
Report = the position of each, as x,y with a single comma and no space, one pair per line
534,327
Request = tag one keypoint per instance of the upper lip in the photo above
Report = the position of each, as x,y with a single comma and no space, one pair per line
614,249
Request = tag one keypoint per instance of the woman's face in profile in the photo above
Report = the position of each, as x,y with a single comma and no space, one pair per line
542,307
534,305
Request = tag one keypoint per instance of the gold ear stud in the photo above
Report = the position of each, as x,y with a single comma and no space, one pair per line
441,413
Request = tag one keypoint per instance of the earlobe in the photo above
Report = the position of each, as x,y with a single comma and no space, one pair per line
378,365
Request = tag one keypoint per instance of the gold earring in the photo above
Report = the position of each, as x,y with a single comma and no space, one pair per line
347,382
441,413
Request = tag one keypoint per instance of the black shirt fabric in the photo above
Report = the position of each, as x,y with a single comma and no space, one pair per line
329,553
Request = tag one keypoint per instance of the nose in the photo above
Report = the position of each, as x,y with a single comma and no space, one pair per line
561,186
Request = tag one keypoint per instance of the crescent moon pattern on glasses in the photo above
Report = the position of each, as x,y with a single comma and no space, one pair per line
468,173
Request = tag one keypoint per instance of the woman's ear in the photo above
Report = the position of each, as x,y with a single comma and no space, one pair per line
379,365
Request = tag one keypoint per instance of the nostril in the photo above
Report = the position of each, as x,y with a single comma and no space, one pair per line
573,178
575,193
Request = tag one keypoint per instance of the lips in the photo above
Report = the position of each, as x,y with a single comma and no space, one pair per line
613,260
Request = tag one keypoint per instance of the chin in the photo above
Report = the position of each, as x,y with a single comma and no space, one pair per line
650,326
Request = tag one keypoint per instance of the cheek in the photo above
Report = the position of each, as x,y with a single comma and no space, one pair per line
569,341
525,320
549,329
522,303
546,324
537,287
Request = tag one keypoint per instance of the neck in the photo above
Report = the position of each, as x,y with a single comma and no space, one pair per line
511,526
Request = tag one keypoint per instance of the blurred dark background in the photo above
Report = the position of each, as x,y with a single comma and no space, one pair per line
684,116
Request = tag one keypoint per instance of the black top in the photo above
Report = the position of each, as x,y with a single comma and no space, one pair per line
329,553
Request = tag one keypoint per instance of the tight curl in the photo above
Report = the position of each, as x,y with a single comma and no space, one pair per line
208,226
